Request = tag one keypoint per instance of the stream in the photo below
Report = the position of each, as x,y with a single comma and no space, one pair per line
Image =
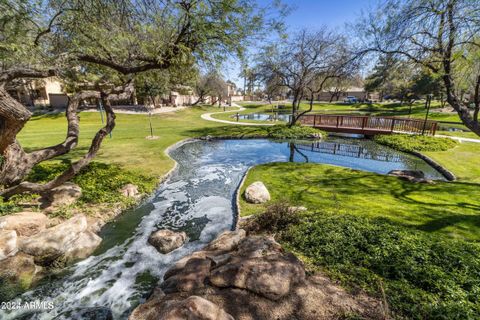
198,198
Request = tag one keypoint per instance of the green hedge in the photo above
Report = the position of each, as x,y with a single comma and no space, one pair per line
409,143
295,132
424,276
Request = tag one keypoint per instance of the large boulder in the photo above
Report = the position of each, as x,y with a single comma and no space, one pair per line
260,266
227,241
166,240
19,269
24,223
216,251
249,278
191,308
192,276
51,243
17,273
130,190
257,193
8,243
82,247
64,195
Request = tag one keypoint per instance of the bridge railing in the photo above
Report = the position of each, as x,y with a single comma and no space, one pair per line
369,124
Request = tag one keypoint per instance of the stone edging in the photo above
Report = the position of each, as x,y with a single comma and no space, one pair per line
237,198
444,171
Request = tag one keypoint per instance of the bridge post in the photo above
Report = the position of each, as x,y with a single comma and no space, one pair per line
393,125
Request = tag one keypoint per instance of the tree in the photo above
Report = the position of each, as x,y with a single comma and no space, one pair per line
435,34
210,84
379,79
304,63
98,47
467,71
337,86
218,88
274,87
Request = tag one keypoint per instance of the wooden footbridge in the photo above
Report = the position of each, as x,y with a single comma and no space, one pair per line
368,125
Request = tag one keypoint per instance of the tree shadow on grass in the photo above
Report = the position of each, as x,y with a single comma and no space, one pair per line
73,154
444,222
56,115
428,207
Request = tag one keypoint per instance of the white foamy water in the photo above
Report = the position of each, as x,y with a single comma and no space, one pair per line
196,199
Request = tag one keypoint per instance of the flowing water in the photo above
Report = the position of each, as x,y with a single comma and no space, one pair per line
198,199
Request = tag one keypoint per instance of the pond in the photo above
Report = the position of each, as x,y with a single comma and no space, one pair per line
199,199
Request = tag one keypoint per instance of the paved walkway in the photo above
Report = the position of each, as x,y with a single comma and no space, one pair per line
208,117
459,139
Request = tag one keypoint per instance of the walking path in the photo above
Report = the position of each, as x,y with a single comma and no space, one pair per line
459,139
208,117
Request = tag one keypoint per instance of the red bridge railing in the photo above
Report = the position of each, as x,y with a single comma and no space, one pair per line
368,124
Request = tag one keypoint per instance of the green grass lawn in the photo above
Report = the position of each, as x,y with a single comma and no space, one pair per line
446,208
128,146
463,161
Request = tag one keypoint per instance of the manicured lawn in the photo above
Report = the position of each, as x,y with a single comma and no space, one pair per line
444,208
463,161
128,146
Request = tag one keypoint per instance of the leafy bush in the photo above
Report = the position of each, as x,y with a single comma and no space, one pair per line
276,218
409,143
8,207
100,182
295,132
14,204
425,276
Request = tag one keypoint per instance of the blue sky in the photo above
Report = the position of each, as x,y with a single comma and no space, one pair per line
313,14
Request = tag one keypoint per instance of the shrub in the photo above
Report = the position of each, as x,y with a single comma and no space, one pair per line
295,132
425,276
276,218
409,143
100,182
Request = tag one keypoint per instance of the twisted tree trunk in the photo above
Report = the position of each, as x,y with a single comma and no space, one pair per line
16,164
75,167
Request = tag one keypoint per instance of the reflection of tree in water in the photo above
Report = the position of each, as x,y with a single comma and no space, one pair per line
294,148
363,151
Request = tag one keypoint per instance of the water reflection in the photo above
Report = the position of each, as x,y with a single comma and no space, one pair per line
345,149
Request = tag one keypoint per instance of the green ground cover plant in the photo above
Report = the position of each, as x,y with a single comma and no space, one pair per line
424,276
418,143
